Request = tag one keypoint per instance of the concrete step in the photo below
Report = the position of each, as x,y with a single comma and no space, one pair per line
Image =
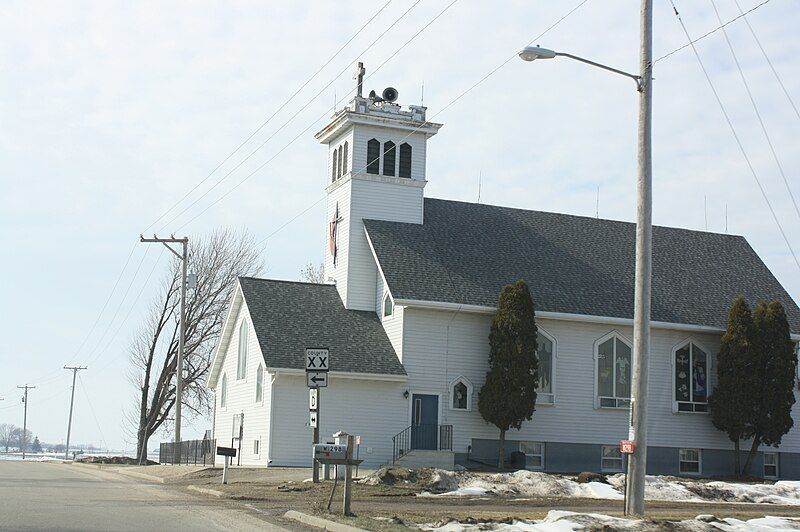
417,458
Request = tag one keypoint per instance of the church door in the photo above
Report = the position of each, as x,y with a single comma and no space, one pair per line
424,421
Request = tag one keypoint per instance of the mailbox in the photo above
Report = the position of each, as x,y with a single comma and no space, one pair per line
325,452
226,451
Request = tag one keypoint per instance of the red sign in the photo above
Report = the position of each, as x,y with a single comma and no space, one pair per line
626,446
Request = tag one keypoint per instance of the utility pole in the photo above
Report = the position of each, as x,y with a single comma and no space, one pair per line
637,462
184,257
23,441
74,370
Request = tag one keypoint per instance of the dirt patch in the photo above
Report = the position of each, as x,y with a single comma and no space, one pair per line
422,479
113,460
587,477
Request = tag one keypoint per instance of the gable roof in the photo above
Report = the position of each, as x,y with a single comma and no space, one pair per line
290,316
464,253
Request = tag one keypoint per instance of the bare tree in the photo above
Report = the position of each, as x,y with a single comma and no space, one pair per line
218,261
7,435
20,438
313,274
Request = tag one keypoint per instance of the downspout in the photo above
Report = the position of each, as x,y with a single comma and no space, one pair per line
271,416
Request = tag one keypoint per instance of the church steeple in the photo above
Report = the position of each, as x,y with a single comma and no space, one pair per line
376,170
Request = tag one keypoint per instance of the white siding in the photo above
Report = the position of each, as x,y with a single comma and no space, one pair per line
338,196
376,410
241,398
439,346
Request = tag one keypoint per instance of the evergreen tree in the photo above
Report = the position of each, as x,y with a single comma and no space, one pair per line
769,415
37,446
508,397
734,377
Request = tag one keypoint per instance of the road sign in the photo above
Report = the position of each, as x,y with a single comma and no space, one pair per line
313,398
627,446
312,420
358,440
226,451
317,359
317,379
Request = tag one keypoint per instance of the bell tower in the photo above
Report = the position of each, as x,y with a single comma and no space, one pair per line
376,170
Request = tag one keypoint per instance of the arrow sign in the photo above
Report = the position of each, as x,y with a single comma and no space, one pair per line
317,359
317,379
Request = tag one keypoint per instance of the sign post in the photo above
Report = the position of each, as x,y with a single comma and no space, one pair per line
228,453
317,366
626,447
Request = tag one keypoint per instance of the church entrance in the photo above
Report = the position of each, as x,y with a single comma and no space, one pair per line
424,421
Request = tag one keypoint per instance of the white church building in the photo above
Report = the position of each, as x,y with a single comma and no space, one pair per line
412,288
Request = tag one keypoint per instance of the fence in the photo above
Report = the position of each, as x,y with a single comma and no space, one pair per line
192,452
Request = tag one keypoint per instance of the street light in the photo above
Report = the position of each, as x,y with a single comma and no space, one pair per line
634,500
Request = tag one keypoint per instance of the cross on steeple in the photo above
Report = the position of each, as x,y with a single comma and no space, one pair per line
359,76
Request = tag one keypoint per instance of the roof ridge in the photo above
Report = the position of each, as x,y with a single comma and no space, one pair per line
286,281
581,216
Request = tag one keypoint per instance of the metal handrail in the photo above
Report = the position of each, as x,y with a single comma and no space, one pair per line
403,441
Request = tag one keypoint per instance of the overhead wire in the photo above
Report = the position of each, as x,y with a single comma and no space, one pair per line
312,124
278,110
769,61
291,118
440,111
758,113
709,33
91,409
735,135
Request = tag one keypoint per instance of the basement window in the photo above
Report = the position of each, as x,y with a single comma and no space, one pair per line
534,454
610,458
689,461
770,465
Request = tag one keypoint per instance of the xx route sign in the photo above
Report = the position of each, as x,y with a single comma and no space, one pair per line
626,446
317,379
317,360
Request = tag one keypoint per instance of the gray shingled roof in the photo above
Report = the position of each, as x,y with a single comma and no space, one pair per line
466,252
290,316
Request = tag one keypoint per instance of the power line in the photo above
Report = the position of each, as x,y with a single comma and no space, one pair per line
443,109
287,122
769,62
735,135
258,168
278,110
758,113
91,409
691,42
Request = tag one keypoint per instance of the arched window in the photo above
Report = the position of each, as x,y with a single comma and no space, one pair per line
613,367
373,156
260,384
341,167
461,394
545,392
223,393
345,168
241,366
691,377
388,305
334,167
389,157
405,160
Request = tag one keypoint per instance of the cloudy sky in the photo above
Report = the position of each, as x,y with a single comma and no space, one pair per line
110,112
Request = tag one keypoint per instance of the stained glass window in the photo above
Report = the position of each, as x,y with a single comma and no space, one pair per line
614,373
691,378
545,355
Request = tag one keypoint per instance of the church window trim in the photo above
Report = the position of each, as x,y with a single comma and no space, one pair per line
339,172
333,167
389,158
547,397
689,355
388,305
223,392
404,166
241,360
373,156
260,384
620,369
346,150
461,394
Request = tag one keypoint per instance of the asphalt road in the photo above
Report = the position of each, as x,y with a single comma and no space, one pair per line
55,496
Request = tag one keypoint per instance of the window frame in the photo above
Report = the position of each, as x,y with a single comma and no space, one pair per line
375,162
405,153
451,395
389,153
709,362
621,459
260,384
223,392
257,447
554,356
621,403
776,465
699,461
388,303
334,165
541,455
242,351
345,163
